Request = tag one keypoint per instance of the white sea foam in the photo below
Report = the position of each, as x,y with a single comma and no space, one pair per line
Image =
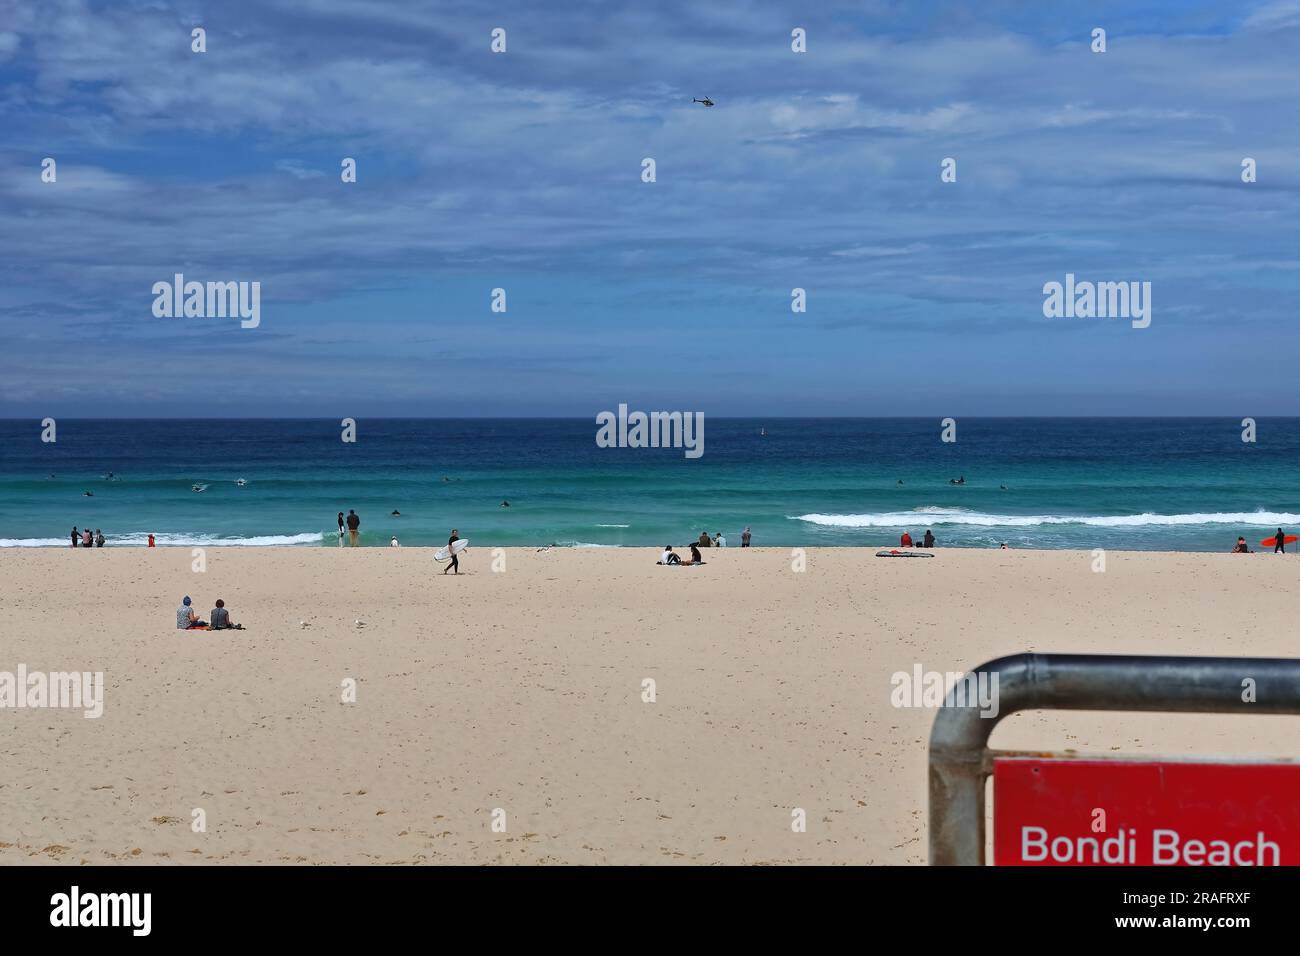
178,539
903,519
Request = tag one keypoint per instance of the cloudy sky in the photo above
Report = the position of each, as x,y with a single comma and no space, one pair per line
522,170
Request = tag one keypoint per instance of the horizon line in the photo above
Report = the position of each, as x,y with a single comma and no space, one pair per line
572,418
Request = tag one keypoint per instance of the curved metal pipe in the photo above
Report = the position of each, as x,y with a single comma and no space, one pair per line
959,737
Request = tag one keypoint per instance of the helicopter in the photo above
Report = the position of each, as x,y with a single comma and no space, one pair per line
706,101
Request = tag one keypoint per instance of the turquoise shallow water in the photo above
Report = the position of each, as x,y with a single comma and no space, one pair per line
1165,484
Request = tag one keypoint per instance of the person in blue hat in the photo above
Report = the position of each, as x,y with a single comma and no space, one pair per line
185,616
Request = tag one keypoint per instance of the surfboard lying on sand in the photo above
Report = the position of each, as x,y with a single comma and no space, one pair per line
1272,542
895,553
457,546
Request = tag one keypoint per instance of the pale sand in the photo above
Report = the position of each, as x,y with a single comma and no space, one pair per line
522,690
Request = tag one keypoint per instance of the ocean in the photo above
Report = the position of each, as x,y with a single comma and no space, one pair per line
1186,484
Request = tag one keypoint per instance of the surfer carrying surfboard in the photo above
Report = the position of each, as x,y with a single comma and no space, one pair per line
455,561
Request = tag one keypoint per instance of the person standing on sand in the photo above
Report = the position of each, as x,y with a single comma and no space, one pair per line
744,537
99,538
87,539
340,529
1280,543
76,536
354,524
455,562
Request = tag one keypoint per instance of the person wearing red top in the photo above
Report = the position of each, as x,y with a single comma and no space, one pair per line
906,541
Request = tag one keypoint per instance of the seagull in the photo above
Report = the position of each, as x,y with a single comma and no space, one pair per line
706,101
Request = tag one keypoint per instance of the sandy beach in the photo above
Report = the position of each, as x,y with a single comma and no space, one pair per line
522,691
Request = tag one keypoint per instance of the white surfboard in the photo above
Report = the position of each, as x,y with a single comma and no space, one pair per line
457,546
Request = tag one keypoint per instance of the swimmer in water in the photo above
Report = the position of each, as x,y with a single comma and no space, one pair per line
396,513
505,504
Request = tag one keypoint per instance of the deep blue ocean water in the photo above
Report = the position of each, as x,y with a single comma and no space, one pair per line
1165,484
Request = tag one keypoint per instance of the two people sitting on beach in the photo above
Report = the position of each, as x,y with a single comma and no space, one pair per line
1240,547
188,620
670,557
927,542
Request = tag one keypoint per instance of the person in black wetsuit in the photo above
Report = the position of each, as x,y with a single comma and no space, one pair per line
1279,544
455,562
928,540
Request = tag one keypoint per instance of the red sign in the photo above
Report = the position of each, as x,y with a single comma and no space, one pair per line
1061,812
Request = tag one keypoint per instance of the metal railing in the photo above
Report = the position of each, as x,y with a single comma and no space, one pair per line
960,760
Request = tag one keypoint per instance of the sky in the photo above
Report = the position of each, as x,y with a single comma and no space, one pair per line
523,171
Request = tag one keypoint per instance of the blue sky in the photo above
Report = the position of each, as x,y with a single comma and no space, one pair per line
522,171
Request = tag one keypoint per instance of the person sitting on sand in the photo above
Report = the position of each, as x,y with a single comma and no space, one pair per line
1241,547
221,618
185,616
393,543
99,538
906,540
695,555
669,556
928,540
704,541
